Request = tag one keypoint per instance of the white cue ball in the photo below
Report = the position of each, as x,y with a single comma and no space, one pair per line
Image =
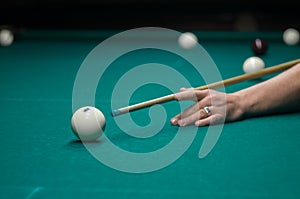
253,64
88,123
6,37
187,40
291,36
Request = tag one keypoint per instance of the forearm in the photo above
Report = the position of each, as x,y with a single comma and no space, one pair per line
276,95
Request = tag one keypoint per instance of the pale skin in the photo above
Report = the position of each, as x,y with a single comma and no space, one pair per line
279,94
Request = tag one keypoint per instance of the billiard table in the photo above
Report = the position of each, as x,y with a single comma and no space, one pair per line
41,157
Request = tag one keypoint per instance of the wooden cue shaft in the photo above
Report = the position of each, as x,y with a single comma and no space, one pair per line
219,84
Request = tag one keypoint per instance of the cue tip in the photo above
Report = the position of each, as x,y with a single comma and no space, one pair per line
116,112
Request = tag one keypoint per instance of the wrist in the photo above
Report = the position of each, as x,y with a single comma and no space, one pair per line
237,106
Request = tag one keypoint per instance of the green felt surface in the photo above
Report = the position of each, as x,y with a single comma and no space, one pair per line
41,158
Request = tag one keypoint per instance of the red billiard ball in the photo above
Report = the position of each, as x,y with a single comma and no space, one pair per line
259,46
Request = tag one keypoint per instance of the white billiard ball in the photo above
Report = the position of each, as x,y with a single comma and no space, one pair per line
88,123
253,64
187,40
6,37
291,36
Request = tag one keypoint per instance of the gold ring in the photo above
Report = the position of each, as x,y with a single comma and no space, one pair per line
204,113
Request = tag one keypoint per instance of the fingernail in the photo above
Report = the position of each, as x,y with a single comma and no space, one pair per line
174,121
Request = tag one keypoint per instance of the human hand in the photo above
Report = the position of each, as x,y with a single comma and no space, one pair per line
210,107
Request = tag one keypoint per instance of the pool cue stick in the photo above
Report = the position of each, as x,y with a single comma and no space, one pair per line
227,82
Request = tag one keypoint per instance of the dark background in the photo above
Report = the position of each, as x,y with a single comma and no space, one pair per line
247,15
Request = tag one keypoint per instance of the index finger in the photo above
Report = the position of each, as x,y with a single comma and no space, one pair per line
191,94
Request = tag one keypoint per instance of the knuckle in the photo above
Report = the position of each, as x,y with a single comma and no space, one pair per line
199,104
217,119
